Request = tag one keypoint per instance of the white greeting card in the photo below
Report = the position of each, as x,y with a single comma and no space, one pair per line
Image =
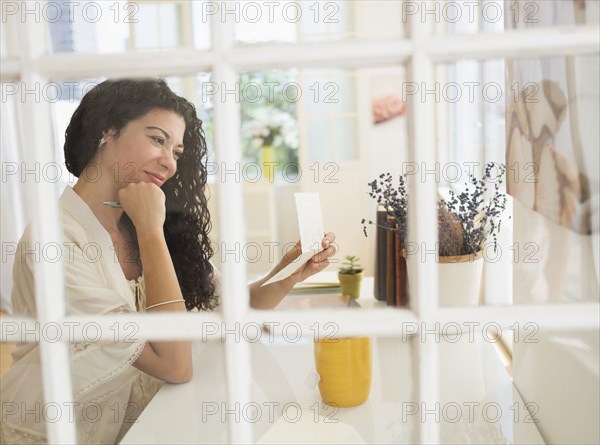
312,231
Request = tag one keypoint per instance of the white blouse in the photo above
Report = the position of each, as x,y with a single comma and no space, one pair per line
109,393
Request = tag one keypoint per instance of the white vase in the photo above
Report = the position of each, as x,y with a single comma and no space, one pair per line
459,278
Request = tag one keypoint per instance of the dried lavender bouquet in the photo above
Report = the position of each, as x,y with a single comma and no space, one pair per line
465,221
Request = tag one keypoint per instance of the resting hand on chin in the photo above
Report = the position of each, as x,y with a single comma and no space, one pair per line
144,203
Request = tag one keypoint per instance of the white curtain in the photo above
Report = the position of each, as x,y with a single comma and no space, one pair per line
14,213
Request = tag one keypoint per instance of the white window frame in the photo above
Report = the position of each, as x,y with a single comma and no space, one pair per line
422,51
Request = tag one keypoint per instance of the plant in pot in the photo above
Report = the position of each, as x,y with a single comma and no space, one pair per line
350,276
468,221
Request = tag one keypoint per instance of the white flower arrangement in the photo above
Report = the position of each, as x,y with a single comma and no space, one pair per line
269,126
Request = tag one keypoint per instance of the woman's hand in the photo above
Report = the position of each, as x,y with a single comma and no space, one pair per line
267,297
144,203
317,263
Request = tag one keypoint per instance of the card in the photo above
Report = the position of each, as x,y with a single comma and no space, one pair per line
312,231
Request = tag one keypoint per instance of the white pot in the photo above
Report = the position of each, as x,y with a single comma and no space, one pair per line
459,278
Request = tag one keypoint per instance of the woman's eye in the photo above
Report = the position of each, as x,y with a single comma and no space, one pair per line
158,139
177,155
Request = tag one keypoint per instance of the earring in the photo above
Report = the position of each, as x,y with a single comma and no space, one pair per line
101,142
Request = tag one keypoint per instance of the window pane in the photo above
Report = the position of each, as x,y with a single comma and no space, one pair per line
327,21
470,104
102,28
319,141
345,138
331,113
311,124
553,175
292,390
204,396
537,117
257,22
329,92
3,37
284,394
269,119
194,89
478,402
318,21
13,193
161,26
464,16
65,95
121,26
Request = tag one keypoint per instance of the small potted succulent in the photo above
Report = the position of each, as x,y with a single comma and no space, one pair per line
350,276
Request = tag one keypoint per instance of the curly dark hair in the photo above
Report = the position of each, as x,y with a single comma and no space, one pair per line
111,105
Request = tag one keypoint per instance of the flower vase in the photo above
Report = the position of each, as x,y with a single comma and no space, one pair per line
459,278
267,155
344,367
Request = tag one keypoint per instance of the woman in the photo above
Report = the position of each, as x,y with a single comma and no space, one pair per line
139,153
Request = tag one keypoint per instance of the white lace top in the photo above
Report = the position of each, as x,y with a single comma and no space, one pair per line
109,393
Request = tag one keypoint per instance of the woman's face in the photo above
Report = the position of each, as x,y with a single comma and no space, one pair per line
146,150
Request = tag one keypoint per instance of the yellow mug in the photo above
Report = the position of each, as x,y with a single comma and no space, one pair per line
344,365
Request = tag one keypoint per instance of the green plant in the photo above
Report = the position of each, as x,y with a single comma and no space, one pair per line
351,266
465,221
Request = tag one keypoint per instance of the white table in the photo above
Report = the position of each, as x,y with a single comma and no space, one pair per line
479,403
